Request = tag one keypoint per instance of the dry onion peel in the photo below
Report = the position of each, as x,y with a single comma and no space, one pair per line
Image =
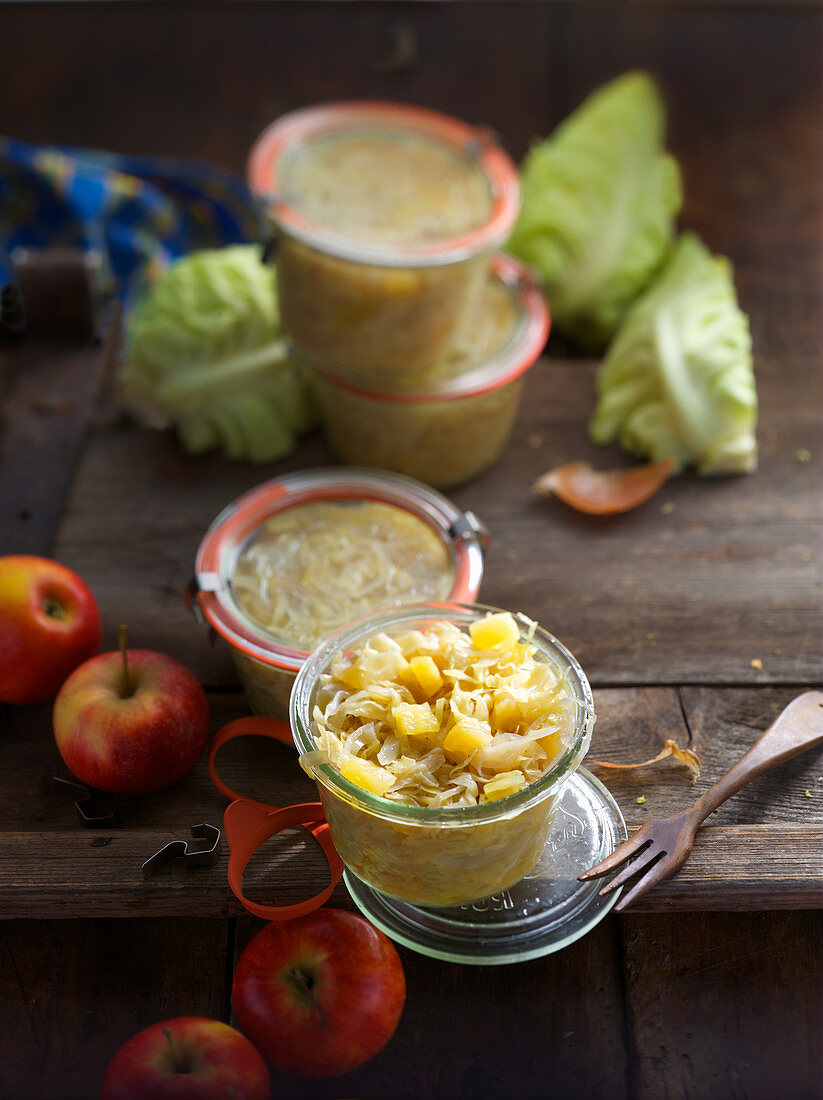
670,748
604,492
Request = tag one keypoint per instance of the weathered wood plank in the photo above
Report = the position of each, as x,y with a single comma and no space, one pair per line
97,873
719,724
723,1005
763,849
71,993
54,387
732,575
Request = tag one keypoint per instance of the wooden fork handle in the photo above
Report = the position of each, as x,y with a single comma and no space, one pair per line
797,728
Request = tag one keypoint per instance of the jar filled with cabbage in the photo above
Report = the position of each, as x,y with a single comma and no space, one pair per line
385,216
292,561
450,422
441,738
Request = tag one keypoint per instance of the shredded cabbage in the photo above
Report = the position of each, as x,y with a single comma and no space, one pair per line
316,566
205,352
432,719
599,201
678,377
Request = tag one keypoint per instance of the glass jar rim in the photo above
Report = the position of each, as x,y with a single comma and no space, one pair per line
219,548
476,141
454,816
521,351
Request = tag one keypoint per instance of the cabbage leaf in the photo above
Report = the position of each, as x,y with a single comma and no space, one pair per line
205,352
678,379
599,201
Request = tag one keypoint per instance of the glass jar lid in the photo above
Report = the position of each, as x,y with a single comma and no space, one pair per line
473,151
548,909
221,548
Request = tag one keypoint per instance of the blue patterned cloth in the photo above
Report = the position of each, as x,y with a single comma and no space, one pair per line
138,213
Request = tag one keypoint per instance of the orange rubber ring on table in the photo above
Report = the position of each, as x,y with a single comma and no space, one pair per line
249,823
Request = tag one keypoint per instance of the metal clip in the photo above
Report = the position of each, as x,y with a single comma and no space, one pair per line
202,857
201,582
468,526
93,807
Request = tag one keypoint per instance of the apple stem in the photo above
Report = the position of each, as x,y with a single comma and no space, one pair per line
180,1063
122,638
305,986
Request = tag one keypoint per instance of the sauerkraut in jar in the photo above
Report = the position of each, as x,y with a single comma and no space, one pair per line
385,215
314,567
440,740
291,561
450,422
385,186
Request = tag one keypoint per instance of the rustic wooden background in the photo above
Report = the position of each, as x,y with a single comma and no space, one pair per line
665,610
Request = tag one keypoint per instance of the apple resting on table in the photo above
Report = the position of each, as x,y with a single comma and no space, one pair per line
319,995
131,721
49,624
188,1058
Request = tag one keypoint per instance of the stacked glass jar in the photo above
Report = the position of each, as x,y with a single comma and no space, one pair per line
413,329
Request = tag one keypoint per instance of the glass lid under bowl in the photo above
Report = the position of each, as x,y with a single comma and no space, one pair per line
544,912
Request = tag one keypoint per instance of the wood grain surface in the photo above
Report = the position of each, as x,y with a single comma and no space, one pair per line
763,849
72,992
667,609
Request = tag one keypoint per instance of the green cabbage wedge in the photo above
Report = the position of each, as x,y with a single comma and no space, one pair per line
205,352
599,201
678,377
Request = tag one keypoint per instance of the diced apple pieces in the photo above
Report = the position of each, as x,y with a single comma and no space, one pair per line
503,785
552,744
415,720
506,712
351,677
363,773
465,737
427,675
385,665
495,631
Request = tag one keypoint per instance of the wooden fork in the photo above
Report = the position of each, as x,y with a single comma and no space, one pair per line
662,845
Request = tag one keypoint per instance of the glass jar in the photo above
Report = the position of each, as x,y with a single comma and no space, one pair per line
451,422
268,662
385,216
454,855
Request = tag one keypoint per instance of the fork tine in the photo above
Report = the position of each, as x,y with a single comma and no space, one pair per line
626,849
652,875
648,856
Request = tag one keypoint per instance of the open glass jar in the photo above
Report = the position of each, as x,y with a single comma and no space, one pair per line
445,856
452,421
385,215
334,537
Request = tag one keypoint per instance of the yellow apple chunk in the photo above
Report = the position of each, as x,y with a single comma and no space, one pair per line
363,773
427,675
465,737
415,720
495,631
506,713
503,785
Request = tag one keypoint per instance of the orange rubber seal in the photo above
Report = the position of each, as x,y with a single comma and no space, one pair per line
249,824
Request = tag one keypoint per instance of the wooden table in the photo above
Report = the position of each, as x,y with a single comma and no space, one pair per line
696,617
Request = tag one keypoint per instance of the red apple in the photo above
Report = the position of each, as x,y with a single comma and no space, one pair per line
130,730
49,623
189,1058
319,995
